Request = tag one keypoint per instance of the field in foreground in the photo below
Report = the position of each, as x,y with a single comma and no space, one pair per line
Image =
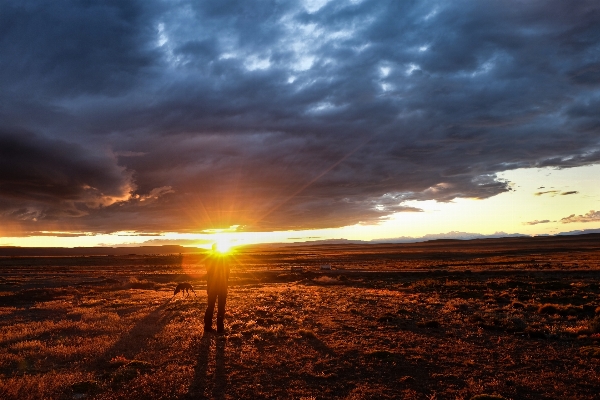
514,325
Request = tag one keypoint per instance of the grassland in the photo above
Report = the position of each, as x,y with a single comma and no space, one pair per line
449,320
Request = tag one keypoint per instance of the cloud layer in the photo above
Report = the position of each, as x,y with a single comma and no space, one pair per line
592,216
154,116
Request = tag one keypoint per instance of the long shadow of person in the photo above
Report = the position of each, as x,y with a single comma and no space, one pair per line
204,378
220,373
198,386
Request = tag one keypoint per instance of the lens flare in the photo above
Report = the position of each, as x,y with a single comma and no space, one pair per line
222,246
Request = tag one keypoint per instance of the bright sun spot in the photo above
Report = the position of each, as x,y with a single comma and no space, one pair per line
223,246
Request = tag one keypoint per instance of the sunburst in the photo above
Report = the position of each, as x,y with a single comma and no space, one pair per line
222,246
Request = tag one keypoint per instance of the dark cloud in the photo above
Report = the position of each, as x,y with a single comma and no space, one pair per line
93,48
536,222
60,234
592,216
48,182
176,242
551,192
556,192
270,115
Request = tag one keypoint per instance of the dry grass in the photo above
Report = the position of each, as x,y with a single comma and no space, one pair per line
432,335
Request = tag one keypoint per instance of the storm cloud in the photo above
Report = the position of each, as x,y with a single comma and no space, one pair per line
152,116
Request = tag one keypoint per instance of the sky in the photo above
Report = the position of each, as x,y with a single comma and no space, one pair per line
158,122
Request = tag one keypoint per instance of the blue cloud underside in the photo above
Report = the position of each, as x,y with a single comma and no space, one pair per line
279,115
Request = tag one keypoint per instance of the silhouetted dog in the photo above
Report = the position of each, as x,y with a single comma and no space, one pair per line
184,287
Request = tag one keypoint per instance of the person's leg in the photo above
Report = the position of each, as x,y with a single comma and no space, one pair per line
210,309
221,312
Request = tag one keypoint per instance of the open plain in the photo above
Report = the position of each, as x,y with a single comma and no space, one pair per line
512,318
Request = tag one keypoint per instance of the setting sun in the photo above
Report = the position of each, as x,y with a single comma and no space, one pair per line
222,246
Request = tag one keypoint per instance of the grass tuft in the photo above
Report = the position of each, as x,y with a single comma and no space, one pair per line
590,351
144,284
85,387
139,365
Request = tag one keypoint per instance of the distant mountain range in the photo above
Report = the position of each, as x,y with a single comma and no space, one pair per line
579,232
453,235
176,250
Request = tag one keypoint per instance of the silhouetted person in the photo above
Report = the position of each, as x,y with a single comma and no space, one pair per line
217,277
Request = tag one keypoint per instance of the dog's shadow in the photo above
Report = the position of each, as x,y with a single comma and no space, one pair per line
210,376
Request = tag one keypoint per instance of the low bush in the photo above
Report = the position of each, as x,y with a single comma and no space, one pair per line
488,397
85,387
429,324
594,325
556,309
591,351
307,334
517,304
381,354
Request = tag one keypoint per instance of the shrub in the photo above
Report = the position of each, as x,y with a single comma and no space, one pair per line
559,309
429,324
118,361
487,397
535,333
387,318
85,387
135,283
591,351
139,365
476,318
548,309
307,334
124,374
517,304
326,280
381,354
517,325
